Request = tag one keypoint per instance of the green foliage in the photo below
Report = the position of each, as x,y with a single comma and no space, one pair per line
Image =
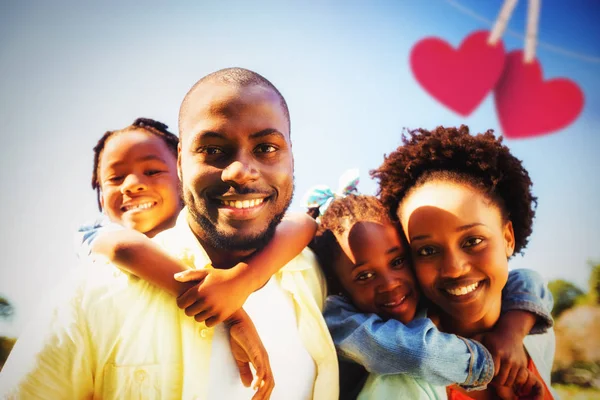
565,294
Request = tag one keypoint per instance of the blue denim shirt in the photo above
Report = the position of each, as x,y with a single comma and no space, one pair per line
418,349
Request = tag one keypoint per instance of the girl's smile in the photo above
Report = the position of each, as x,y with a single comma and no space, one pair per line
374,270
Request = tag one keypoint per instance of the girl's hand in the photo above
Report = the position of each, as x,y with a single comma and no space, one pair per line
508,353
247,348
527,386
218,294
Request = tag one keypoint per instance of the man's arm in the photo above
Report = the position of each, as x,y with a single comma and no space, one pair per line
417,349
52,358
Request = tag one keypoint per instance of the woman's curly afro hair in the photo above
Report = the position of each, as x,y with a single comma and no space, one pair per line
452,154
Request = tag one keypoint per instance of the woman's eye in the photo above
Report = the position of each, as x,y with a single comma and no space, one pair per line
265,148
426,251
153,172
364,276
398,262
470,242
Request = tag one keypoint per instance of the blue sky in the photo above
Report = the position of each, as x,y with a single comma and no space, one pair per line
70,71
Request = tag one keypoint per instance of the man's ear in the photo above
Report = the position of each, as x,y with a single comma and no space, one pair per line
509,239
179,160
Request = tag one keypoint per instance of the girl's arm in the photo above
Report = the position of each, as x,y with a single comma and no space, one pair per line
417,349
421,351
207,302
137,254
526,306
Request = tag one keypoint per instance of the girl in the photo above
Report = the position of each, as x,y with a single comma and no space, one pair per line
135,176
367,260
465,205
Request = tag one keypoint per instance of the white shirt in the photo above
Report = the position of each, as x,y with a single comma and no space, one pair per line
293,368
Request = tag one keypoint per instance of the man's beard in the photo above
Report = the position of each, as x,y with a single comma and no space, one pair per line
220,240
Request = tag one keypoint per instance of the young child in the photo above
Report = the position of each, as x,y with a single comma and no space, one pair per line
135,176
377,321
466,206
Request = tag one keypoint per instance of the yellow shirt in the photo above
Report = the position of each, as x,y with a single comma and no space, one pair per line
109,335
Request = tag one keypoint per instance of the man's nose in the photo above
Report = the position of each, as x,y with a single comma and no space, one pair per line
454,264
133,184
239,172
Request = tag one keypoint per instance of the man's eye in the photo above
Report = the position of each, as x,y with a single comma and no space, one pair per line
265,148
153,172
426,251
474,241
364,276
398,262
210,150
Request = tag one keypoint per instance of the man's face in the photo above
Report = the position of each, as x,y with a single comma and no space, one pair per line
235,163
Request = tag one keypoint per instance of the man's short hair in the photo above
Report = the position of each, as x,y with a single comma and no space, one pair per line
233,76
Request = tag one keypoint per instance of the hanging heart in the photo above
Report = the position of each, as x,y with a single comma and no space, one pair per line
528,106
460,79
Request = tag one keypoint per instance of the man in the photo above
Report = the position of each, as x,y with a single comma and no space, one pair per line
118,337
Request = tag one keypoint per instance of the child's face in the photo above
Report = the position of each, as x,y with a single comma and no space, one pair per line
138,177
374,271
460,246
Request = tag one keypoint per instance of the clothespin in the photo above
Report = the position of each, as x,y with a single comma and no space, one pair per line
533,16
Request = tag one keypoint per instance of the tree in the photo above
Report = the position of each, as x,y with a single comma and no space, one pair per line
565,295
594,284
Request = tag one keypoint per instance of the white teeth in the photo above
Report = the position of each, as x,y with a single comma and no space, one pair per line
461,291
239,204
141,206
395,303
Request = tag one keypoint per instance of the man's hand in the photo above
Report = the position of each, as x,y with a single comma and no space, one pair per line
218,294
247,348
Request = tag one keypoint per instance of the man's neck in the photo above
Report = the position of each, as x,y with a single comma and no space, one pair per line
224,259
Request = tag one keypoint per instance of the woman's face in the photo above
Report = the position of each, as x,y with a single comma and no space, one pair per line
374,270
460,246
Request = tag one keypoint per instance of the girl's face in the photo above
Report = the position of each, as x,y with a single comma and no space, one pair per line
373,269
460,246
138,177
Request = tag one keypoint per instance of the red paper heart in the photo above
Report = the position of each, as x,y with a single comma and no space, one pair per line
527,106
459,79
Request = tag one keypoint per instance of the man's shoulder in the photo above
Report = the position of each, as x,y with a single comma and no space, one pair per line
306,267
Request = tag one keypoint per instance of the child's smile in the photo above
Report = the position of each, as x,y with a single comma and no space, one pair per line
140,187
375,272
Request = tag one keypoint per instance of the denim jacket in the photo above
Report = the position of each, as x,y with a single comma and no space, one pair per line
418,349
88,232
